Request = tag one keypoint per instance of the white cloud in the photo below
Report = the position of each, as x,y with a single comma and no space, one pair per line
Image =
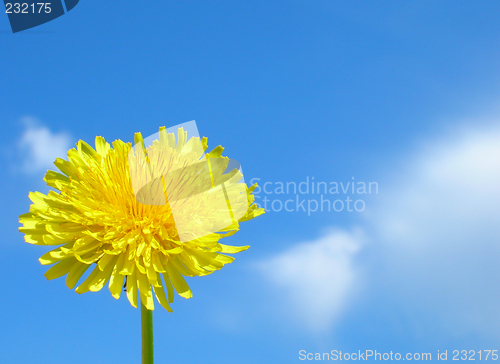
39,147
450,182
317,278
438,224
434,231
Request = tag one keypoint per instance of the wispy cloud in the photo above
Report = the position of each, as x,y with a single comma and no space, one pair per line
317,278
437,232
39,146
439,226
450,189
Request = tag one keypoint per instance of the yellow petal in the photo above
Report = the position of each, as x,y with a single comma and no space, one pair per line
84,287
105,260
103,276
101,146
61,268
56,180
156,263
86,244
170,289
160,295
36,239
151,274
128,266
191,265
66,167
89,258
52,257
75,274
132,289
178,282
145,291
179,267
224,259
50,239
233,249
116,279
85,150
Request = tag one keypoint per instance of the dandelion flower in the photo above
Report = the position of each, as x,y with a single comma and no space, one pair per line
143,217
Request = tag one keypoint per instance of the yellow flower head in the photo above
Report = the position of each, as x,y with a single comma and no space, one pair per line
146,216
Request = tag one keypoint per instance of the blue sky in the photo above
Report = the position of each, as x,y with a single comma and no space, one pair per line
404,94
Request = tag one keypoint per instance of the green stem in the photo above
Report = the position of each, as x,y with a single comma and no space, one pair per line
147,335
